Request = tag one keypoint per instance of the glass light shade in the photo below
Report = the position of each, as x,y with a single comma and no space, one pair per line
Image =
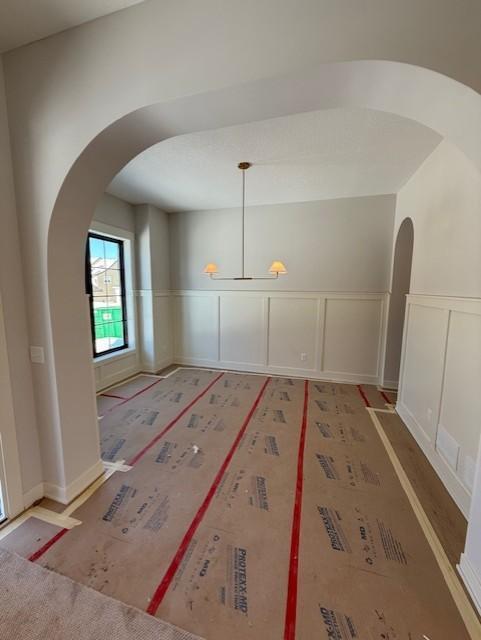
278,267
211,267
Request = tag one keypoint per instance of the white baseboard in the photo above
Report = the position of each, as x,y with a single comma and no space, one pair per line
149,367
453,484
291,372
471,580
390,385
65,495
33,494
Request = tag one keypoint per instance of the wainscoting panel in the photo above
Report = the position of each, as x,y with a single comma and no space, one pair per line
196,327
293,332
461,400
115,368
352,338
242,335
439,396
423,365
281,332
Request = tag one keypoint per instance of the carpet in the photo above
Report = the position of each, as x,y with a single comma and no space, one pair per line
36,604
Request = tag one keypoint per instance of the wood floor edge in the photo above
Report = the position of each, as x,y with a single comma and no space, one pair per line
465,608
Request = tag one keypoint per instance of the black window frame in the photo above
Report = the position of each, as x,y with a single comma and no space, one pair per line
89,291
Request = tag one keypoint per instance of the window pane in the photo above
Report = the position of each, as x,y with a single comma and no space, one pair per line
107,298
97,251
112,283
111,252
117,337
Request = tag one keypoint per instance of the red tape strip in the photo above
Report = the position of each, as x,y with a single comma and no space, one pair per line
385,397
111,395
35,556
364,397
187,539
291,604
138,393
168,427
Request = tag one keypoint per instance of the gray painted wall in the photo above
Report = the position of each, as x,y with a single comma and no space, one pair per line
332,245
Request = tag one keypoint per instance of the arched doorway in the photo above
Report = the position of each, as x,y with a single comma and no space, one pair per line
400,286
355,84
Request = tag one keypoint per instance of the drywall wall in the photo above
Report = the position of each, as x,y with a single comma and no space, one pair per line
443,199
441,370
153,268
115,212
324,318
64,91
329,245
20,416
442,364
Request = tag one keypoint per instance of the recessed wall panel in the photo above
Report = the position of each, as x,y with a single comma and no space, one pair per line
423,366
461,401
293,326
351,336
196,327
243,329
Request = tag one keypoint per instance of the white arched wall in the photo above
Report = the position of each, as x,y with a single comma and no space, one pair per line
79,109
407,91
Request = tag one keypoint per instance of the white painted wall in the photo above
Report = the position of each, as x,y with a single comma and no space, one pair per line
328,245
18,408
443,198
56,113
292,325
441,371
153,267
115,213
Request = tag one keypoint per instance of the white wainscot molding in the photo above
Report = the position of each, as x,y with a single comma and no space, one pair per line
115,367
440,379
332,336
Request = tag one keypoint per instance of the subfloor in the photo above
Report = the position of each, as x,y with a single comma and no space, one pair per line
253,508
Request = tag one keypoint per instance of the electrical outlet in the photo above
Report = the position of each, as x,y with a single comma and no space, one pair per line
430,414
303,357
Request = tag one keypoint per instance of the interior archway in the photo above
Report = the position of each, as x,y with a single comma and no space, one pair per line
397,88
400,285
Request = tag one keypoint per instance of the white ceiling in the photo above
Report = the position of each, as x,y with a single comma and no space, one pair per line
319,155
24,21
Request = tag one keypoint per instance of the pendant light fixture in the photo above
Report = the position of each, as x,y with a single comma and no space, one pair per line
276,269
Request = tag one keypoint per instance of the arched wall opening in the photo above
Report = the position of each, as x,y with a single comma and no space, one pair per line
387,86
400,285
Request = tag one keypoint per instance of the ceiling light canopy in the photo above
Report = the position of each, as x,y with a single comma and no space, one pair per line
277,267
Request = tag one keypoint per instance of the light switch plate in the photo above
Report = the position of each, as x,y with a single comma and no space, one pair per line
37,355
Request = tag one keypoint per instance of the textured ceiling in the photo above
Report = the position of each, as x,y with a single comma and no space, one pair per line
319,155
24,21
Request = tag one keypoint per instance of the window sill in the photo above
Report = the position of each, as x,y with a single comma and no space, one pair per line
111,357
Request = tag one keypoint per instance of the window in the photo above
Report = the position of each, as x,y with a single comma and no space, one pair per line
105,283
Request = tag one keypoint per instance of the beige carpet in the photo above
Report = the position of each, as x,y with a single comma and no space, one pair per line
37,604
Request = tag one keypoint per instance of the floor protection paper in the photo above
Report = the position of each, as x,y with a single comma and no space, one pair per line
257,509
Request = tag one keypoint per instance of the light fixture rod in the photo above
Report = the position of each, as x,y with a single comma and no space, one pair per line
243,166
276,268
